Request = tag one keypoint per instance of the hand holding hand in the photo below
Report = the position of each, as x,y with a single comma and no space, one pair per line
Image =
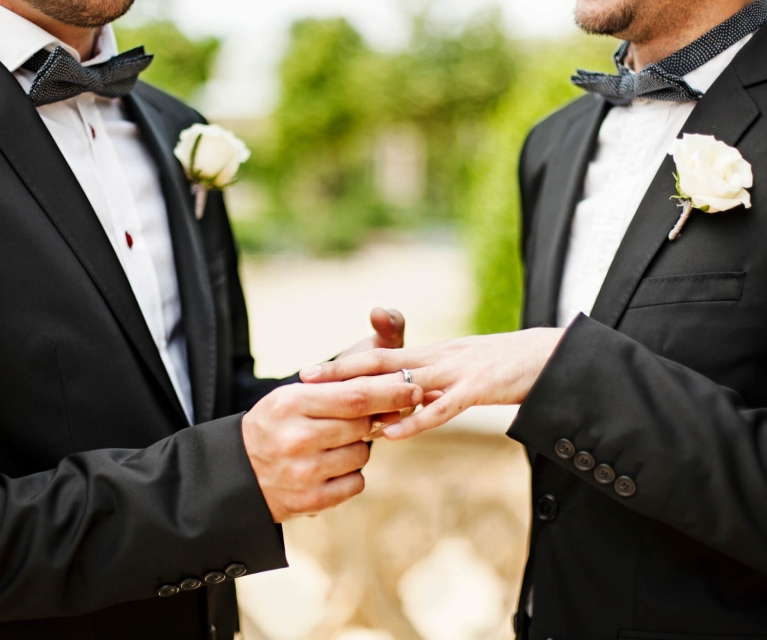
305,444
455,374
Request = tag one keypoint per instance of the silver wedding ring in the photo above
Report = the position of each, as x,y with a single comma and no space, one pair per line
408,376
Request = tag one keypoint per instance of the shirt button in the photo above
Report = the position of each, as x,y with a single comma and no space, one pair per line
604,474
584,461
546,508
236,570
625,487
190,584
167,590
214,577
564,449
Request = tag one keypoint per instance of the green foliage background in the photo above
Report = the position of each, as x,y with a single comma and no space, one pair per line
472,96
492,222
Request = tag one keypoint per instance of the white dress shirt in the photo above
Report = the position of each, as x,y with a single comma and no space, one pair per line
632,144
121,180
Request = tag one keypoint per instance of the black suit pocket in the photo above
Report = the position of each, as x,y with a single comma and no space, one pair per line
655,635
696,287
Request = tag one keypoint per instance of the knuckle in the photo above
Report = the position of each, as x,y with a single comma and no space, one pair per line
441,409
294,442
305,472
380,354
358,402
284,401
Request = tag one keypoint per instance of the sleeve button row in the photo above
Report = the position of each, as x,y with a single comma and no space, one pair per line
235,570
604,474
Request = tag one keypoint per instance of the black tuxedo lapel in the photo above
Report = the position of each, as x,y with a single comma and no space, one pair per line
726,112
562,187
194,283
29,148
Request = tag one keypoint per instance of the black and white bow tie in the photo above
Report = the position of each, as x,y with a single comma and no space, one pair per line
60,77
664,80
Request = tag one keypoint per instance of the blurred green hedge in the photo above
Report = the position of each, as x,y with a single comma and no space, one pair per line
492,222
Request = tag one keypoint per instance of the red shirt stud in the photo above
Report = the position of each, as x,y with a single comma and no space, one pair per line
93,131
129,240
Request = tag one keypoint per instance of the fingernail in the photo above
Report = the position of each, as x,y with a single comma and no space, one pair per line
393,431
311,372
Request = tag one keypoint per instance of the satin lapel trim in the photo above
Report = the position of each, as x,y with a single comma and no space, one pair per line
562,188
188,248
726,112
29,148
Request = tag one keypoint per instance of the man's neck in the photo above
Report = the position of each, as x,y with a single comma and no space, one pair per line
82,40
655,44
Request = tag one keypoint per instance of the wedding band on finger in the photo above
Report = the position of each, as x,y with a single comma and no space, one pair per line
408,376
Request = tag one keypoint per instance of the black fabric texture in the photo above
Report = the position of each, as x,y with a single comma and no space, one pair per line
106,493
666,383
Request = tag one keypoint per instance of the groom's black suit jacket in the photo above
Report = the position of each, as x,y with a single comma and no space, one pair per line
666,382
105,493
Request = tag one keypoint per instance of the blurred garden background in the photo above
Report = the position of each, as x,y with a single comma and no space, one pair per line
385,137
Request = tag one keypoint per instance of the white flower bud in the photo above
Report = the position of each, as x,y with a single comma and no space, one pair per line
210,155
713,175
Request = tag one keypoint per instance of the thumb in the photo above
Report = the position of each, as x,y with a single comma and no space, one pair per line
389,327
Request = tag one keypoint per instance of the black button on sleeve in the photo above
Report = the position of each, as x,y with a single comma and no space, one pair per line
564,449
625,487
604,474
214,577
584,461
167,590
546,508
190,584
236,570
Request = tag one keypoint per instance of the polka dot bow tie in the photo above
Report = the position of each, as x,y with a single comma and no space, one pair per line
664,80
60,77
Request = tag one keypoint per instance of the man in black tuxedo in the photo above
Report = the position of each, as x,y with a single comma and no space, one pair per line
123,324
646,421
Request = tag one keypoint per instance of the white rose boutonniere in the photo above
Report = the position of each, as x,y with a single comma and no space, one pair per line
211,157
710,176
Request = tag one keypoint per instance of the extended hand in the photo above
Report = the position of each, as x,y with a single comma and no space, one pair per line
304,441
455,374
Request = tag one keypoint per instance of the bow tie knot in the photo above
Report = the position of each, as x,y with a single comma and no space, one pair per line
60,77
652,83
664,80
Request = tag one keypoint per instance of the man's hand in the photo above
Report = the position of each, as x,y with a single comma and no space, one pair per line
305,441
454,375
389,329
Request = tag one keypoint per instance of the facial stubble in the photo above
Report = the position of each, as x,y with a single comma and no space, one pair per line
85,14
608,21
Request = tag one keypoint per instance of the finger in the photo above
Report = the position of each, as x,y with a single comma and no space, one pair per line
339,490
389,327
370,363
431,397
354,399
326,434
435,415
338,462
329,494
